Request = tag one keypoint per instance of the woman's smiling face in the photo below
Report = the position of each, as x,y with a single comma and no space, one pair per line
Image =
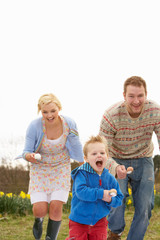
50,112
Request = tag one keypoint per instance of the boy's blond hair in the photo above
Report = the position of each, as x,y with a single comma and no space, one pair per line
48,98
95,139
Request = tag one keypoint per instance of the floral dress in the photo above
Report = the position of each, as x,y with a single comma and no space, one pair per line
52,173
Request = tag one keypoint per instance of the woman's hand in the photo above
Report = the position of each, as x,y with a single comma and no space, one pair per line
30,157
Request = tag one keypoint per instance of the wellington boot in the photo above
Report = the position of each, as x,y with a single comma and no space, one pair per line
52,229
37,228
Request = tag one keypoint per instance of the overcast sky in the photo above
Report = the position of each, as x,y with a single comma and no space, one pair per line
82,51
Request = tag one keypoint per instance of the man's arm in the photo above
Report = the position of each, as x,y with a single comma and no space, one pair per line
108,130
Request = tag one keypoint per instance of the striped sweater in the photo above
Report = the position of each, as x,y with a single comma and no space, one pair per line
127,137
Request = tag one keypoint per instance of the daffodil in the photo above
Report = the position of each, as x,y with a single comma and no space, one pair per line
9,195
129,191
22,194
1,194
70,194
129,202
28,196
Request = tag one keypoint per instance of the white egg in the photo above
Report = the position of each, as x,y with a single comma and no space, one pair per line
113,194
38,156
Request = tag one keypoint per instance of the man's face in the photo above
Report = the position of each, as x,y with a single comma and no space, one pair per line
135,98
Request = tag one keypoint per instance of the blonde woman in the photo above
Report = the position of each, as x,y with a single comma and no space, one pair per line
56,139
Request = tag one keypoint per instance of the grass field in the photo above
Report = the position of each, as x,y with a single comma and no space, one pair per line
13,228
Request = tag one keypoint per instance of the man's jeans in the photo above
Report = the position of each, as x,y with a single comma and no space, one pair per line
142,183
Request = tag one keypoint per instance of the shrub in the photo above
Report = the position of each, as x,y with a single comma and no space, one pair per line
13,204
21,205
67,206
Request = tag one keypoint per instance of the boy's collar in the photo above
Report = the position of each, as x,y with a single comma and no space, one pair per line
87,167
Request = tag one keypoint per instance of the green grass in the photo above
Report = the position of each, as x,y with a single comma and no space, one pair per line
153,231
16,227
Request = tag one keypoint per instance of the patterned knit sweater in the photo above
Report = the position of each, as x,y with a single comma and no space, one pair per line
127,137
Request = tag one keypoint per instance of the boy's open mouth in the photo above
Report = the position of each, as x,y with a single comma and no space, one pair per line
99,163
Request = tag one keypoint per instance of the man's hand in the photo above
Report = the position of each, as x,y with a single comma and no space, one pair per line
121,171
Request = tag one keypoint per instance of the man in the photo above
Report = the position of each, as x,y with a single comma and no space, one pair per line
128,127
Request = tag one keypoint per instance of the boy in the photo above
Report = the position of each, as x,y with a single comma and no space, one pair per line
91,201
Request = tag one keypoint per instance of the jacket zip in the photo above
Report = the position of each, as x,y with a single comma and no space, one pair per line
100,184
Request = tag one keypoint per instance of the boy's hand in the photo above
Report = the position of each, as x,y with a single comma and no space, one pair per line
106,196
113,192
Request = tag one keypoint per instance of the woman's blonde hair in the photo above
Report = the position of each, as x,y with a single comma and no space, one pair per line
48,98
95,139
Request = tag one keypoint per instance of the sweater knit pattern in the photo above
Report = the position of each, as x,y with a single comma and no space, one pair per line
127,137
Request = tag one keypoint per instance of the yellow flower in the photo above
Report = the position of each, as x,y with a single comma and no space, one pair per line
9,195
129,191
70,194
129,202
22,194
28,196
1,194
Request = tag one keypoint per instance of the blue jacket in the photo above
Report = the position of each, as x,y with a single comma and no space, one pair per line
35,134
87,206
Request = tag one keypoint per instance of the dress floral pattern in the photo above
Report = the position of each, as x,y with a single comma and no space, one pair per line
52,173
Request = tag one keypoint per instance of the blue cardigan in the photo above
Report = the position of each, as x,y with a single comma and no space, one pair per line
35,134
87,206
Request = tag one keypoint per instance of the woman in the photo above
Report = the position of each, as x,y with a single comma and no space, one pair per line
56,139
